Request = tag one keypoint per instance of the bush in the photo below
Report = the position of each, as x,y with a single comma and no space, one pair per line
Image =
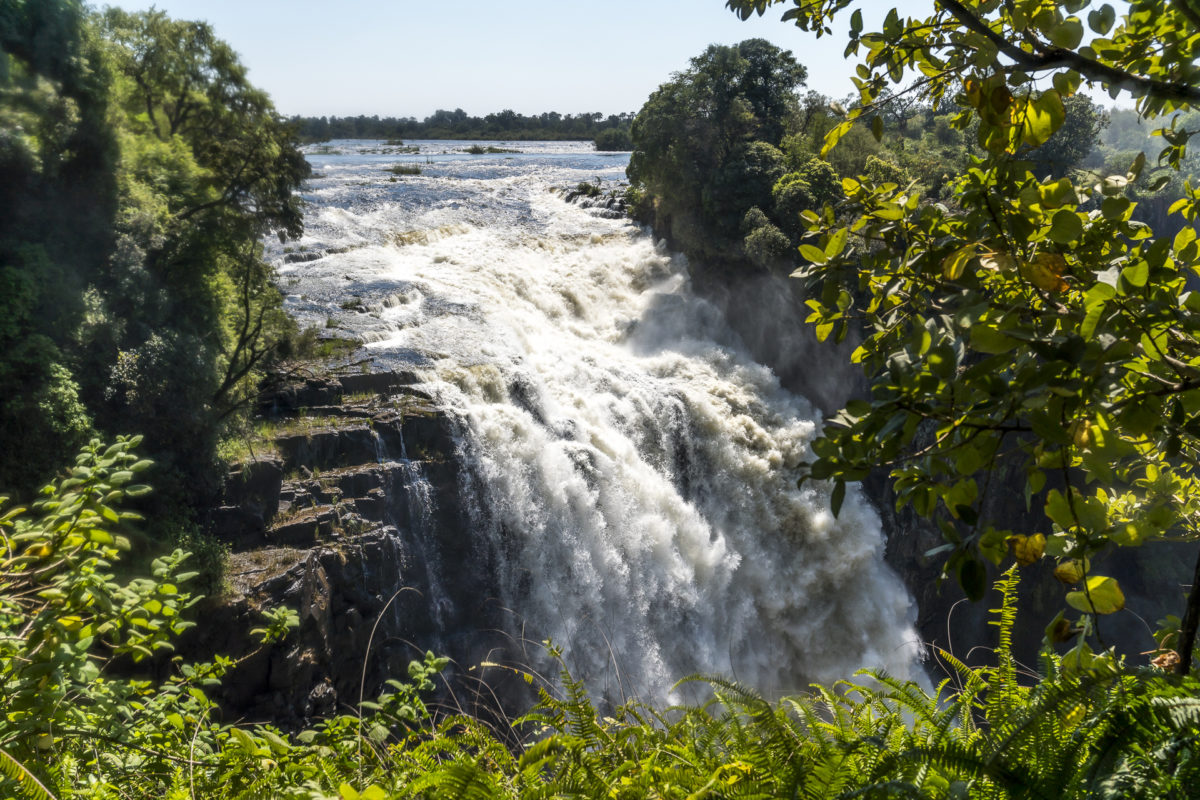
881,172
768,247
614,139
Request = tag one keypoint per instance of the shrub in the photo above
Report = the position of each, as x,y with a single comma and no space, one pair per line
614,139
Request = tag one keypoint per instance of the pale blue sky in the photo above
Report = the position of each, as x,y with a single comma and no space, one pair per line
410,57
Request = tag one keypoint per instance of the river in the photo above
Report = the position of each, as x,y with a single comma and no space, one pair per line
632,470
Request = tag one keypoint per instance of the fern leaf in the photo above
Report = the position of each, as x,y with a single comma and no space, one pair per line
30,787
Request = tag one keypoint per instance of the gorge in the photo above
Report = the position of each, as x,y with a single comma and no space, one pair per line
623,473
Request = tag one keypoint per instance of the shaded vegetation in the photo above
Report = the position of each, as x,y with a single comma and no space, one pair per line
141,171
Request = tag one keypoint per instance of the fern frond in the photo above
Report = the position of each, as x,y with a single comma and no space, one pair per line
29,787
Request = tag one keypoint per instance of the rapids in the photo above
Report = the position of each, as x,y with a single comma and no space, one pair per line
630,469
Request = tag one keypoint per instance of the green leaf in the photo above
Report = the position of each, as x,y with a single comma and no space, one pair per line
1087,329
1065,227
1101,20
972,577
814,254
837,497
1136,274
1058,509
835,135
954,264
1105,595
987,339
244,740
837,243
1068,34
1041,117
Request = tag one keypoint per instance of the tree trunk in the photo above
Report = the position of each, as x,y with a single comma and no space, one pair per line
1191,620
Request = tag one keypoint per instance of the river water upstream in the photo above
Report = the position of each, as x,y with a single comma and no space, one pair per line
632,470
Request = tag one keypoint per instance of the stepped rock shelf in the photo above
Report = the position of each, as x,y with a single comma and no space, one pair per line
347,514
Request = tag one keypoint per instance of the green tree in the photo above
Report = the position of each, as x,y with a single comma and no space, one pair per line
57,195
1034,325
705,145
139,172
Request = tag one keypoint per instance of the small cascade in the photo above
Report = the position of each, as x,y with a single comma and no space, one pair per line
418,517
381,456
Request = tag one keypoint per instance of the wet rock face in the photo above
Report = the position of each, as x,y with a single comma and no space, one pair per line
356,522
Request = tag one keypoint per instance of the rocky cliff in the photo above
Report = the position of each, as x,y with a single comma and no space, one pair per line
351,513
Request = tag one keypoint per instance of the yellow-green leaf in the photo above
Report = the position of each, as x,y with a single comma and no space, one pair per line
834,136
1070,572
1040,117
1028,549
1045,272
1105,596
954,264
814,254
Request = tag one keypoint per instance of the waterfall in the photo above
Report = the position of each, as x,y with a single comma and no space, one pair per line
629,470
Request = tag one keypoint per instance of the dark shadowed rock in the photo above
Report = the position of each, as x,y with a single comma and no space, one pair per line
254,484
378,382
359,524
328,448
309,394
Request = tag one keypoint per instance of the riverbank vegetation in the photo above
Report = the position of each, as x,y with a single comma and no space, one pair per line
507,125
1016,303
1022,317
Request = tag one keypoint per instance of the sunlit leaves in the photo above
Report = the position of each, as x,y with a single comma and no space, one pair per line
1032,323
1028,549
1102,595
954,264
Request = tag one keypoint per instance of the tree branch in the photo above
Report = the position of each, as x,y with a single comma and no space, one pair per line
1051,57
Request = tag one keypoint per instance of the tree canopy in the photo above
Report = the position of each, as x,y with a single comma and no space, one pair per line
141,170
1031,322
705,144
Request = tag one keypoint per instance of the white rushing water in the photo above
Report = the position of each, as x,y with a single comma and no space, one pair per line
632,467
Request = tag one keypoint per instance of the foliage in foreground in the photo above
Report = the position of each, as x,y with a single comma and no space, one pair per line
1030,325
78,721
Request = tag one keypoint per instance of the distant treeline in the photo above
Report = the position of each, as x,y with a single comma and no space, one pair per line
612,131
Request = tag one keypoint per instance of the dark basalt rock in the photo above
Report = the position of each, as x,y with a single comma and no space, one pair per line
328,449
337,527
253,485
293,397
378,382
